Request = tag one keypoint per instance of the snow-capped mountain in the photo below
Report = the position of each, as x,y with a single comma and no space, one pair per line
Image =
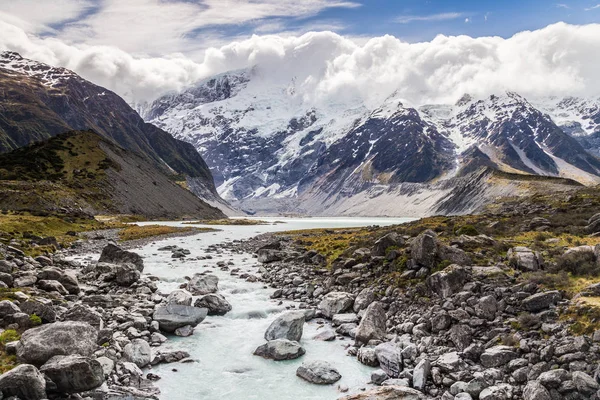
272,148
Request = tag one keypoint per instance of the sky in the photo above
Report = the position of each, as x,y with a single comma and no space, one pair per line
143,48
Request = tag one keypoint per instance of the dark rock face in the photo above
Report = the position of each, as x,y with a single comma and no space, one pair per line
73,374
113,254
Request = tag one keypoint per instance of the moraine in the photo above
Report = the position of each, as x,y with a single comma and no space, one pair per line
223,345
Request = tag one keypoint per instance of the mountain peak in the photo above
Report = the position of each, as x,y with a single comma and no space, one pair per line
48,75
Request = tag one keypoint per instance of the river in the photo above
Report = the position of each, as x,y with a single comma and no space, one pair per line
223,345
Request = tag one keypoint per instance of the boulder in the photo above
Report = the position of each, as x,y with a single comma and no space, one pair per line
585,384
593,224
421,374
70,282
454,255
214,303
52,286
383,244
113,254
373,324
287,326
325,336
7,308
536,391
280,349
38,345
73,374
424,249
266,256
497,356
319,372
45,312
553,379
79,312
25,382
367,356
203,284
541,301
335,303
390,358
180,297
171,317
138,352
126,274
524,259
449,281
347,318
364,299
7,279
461,335
392,392
498,392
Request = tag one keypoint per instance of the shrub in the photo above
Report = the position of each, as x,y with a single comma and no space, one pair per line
509,340
9,335
35,320
549,280
578,263
468,230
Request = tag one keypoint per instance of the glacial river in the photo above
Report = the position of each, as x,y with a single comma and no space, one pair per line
223,345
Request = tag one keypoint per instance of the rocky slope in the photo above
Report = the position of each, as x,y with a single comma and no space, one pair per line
81,173
274,149
41,101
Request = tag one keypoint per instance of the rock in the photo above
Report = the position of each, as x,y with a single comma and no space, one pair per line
462,336
7,279
378,377
554,378
184,331
585,384
421,374
524,259
497,356
288,326
171,317
115,255
107,364
266,256
83,313
387,393
373,324
280,349
390,358
440,322
203,284
215,303
499,392
73,374
383,244
52,286
319,372
593,224
325,336
449,362
535,391
169,357
335,303
126,274
38,345
138,352
348,318
25,382
364,299
46,313
541,301
367,356
476,386
180,297
449,281
486,308
424,249
7,308
454,255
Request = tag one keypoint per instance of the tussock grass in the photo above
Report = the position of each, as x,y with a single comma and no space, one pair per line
134,232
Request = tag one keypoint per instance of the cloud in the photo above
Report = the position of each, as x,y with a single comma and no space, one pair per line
560,5
558,60
406,19
593,7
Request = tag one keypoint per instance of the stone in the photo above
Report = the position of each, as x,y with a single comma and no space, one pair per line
335,303
462,336
107,364
593,224
497,356
126,274
171,317
348,318
584,383
138,352
367,356
447,282
372,325
424,249
554,378
38,345
541,301
499,392
73,374
383,244
364,299
267,256
7,308
280,349
46,313
318,372
325,336
387,393
536,391
524,259
486,308
421,374
476,386
7,279
378,377
449,362
82,313
113,254
288,326
184,331
203,284
52,286
214,303
390,358
454,255
440,322
180,297
25,382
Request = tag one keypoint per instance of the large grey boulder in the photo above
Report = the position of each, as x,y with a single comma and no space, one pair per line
7,308
203,284
383,244
319,372
554,378
214,303
524,259
73,374
541,301
335,303
180,297
536,391
585,384
498,356
449,281
39,344
113,254
392,392
454,255
424,249
372,326
287,326
266,256
126,274
364,299
25,382
279,350
171,317
390,358
52,286
421,374
80,312
138,352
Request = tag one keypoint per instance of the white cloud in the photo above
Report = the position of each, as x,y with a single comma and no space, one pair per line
560,59
593,7
560,5
467,20
406,19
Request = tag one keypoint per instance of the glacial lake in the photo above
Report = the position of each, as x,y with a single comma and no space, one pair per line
223,345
